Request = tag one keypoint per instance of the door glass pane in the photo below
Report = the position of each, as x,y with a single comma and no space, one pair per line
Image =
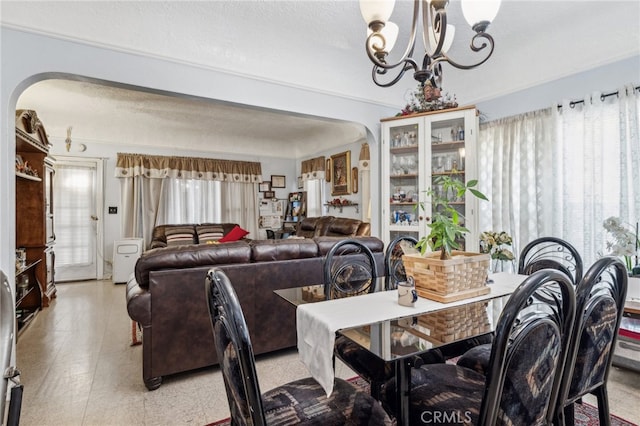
74,207
403,180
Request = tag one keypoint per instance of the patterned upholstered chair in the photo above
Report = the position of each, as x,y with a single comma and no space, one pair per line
346,276
302,402
542,253
393,266
523,379
600,301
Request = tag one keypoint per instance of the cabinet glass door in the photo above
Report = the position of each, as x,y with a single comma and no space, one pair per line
404,187
447,156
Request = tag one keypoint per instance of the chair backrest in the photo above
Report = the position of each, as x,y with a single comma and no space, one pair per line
349,269
600,300
234,350
393,266
551,253
529,350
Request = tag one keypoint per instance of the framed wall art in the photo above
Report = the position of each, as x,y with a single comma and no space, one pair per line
269,194
264,186
300,183
278,181
340,173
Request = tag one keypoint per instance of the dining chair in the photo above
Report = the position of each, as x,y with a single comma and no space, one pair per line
551,253
600,300
393,266
541,253
301,402
350,275
523,378
346,276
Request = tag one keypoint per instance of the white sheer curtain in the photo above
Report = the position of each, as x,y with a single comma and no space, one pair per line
315,196
515,156
240,205
600,171
313,175
190,201
562,172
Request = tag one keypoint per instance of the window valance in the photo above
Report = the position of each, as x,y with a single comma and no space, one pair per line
313,168
158,167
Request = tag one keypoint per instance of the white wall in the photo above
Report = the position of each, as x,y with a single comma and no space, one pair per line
27,58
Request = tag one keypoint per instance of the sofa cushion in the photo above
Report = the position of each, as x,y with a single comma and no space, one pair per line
326,243
209,233
266,250
342,227
180,235
235,234
309,225
190,257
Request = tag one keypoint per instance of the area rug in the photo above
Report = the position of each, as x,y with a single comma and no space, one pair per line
586,414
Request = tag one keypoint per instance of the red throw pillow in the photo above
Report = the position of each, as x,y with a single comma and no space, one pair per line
234,235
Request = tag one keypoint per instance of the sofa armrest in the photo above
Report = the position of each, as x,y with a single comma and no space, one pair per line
364,230
138,303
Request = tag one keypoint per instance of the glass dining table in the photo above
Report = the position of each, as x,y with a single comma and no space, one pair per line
397,337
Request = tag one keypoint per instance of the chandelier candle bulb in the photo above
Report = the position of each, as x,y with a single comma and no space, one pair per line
437,35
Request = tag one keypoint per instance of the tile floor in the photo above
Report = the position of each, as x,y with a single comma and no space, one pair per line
78,368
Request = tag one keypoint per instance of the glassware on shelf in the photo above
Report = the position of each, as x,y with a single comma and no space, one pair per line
448,164
412,164
412,138
405,139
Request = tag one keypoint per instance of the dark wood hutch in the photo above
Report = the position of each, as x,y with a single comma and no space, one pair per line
34,217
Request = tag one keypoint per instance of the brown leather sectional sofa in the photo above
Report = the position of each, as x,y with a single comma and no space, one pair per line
310,227
167,299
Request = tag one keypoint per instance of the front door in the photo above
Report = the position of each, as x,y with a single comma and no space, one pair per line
76,221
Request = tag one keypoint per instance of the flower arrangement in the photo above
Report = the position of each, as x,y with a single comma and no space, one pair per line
428,98
625,242
446,222
495,244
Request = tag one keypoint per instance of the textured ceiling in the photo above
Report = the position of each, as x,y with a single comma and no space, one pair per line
316,45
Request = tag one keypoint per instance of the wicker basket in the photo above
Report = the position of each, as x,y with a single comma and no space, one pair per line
461,277
456,323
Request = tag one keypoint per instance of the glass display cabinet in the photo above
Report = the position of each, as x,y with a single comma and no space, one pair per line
416,150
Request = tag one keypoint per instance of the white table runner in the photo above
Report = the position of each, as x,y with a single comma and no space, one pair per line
317,323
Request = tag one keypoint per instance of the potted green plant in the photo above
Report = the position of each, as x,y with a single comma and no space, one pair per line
447,274
446,229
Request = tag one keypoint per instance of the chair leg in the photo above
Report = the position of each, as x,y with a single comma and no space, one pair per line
376,389
569,415
603,405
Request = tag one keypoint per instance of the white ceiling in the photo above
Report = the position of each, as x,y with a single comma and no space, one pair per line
310,44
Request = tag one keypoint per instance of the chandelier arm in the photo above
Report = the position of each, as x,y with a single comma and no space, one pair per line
438,19
445,58
406,57
408,64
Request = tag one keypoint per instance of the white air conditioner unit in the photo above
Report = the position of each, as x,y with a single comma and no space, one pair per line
125,255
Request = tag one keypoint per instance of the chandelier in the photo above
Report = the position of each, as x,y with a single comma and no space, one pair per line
437,36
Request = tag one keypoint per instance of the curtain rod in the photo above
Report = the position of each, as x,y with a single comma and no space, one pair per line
602,98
